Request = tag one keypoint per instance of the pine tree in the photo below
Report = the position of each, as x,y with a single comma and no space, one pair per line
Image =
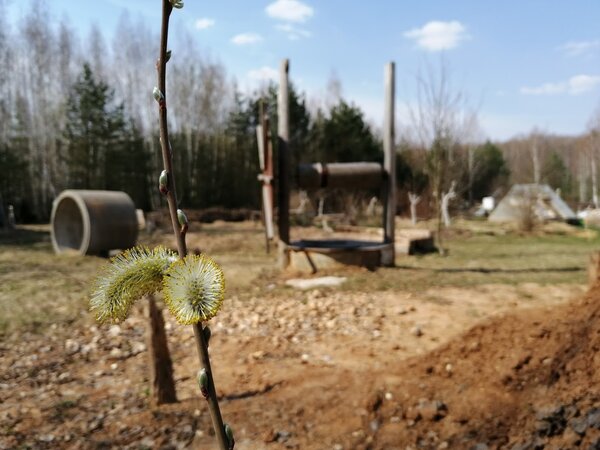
95,133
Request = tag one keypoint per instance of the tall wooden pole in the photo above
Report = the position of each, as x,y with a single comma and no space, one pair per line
265,152
283,136
389,161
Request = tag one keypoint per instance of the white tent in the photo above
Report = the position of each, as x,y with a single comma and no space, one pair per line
545,203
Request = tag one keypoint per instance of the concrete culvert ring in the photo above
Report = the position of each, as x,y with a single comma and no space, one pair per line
67,226
93,222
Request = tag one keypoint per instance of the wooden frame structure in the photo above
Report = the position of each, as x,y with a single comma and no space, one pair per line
340,175
265,158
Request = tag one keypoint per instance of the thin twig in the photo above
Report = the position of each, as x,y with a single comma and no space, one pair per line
171,194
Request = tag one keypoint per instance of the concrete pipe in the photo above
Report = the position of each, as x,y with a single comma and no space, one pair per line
93,222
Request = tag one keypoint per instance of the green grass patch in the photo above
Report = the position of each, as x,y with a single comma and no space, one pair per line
486,259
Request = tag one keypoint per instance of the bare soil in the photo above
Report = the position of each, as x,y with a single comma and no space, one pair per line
512,366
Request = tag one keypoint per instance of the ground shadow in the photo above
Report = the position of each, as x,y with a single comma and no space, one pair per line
488,270
21,236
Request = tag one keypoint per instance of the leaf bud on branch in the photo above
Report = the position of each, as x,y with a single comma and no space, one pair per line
158,95
229,433
183,221
203,383
163,182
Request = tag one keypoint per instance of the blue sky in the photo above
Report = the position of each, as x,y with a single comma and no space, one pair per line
523,64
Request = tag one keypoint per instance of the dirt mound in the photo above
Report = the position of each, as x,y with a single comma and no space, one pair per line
323,370
526,381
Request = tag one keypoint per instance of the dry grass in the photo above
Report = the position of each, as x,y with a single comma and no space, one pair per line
39,288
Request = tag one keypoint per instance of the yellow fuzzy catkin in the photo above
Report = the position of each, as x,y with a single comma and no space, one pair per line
131,275
194,288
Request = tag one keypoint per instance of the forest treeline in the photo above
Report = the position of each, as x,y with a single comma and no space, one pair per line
78,113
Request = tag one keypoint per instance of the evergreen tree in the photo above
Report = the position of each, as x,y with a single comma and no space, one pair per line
243,155
344,136
92,128
490,170
127,166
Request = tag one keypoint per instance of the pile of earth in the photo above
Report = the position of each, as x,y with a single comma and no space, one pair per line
525,381
314,371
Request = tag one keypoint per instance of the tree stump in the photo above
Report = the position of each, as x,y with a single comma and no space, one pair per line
162,385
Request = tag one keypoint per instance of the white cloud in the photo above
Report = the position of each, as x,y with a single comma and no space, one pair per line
583,83
204,23
264,73
436,35
545,89
577,48
293,33
290,11
575,85
246,38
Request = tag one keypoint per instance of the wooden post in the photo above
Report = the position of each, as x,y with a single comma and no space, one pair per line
594,269
265,152
162,386
283,135
389,161
268,191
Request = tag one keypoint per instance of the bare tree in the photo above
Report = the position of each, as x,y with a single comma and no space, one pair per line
473,138
446,198
5,76
594,148
38,46
97,53
334,92
414,200
439,121
133,52
203,106
535,138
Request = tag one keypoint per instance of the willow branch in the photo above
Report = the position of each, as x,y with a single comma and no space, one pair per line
179,230
167,153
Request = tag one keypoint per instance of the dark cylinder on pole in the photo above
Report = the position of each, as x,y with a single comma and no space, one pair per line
352,175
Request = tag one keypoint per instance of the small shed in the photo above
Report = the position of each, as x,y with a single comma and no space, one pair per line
545,203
